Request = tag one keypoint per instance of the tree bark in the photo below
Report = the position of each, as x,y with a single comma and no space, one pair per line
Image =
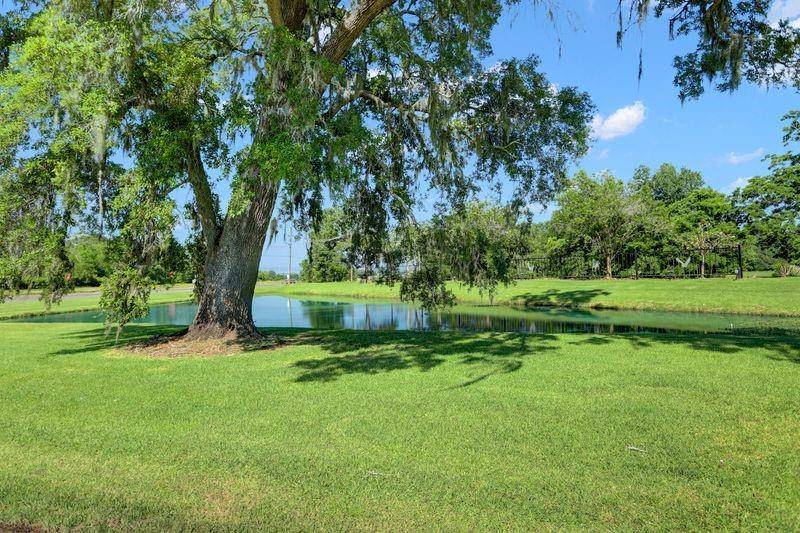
231,272
609,272
702,265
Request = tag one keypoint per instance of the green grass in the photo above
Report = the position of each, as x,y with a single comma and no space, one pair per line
769,296
84,302
764,296
401,431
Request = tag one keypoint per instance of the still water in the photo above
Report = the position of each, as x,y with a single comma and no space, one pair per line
279,311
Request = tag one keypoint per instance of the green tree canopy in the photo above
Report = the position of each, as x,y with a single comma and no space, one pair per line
329,244
770,205
108,107
597,215
666,185
480,245
282,102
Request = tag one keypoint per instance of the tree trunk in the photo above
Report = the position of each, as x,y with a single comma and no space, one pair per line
609,273
702,265
231,272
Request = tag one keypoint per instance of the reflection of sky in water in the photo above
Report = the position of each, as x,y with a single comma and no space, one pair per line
278,311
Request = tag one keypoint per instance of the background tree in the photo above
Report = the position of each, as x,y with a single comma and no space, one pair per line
480,246
327,250
704,222
769,206
597,215
90,263
666,185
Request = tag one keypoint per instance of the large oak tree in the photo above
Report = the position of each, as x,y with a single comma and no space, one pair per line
108,106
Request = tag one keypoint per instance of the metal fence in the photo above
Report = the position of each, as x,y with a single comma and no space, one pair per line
683,264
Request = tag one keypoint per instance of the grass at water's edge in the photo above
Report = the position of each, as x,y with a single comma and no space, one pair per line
76,302
374,430
758,296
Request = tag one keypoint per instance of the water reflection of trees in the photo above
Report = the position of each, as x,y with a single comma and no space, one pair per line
392,317
324,315
459,321
337,315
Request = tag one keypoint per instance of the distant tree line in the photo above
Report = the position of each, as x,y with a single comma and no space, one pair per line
662,222
94,258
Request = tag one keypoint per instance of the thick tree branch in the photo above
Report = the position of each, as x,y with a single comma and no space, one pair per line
294,12
206,203
353,24
275,12
288,13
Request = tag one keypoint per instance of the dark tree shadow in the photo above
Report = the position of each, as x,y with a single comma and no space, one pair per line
150,338
376,352
779,345
363,352
96,339
557,298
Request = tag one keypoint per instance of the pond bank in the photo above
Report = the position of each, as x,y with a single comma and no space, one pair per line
755,296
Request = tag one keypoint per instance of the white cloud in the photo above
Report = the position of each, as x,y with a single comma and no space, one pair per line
737,159
785,10
604,153
621,122
736,184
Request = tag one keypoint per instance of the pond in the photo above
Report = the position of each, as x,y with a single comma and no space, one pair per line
279,311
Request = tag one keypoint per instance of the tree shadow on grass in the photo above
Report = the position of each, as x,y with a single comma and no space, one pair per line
780,345
351,352
96,339
163,342
557,298
363,352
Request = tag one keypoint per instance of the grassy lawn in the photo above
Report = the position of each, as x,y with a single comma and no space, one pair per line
84,299
768,296
401,431
773,296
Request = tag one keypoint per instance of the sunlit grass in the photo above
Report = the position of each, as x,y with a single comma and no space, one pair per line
391,431
775,296
84,299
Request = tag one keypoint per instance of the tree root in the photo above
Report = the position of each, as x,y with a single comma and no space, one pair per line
190,343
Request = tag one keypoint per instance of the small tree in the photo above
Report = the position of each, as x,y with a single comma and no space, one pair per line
704,223
597,215
327,249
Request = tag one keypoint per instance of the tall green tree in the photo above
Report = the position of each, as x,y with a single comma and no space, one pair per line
666,185
704,223
598,215
769,206
282,102
107,107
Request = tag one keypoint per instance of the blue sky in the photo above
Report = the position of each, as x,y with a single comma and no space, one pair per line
723,135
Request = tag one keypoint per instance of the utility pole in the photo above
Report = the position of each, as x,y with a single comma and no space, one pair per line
740,272
289,275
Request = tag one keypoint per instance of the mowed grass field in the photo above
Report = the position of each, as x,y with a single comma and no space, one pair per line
767,296
349,430
771,296
83,299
